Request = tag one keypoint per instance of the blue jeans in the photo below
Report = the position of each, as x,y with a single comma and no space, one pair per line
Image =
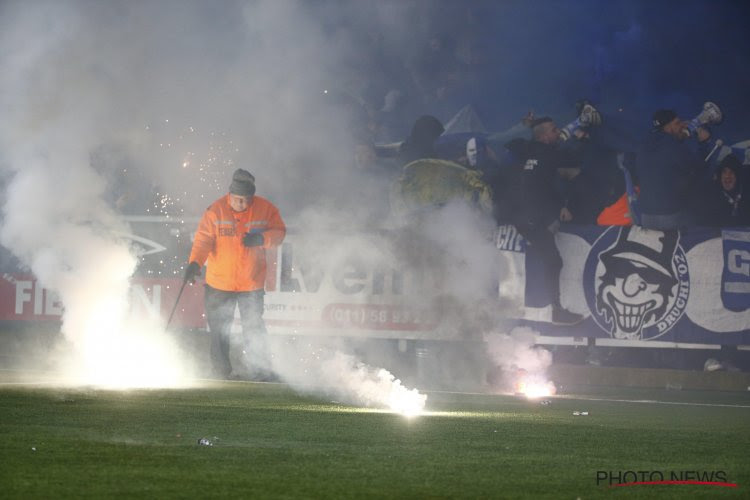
543,253
220,306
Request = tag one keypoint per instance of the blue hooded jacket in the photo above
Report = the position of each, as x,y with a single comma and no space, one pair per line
667,171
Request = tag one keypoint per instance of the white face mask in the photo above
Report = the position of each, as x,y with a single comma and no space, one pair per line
471,151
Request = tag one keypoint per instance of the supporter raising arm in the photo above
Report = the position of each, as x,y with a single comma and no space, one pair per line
668,173
539,207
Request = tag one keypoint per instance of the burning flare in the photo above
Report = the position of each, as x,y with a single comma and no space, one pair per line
362,384
408,403
533,386
112,345
346,378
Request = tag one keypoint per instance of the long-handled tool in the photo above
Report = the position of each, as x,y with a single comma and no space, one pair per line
171,315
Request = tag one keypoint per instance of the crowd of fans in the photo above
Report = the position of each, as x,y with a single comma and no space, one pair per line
599,168
594,170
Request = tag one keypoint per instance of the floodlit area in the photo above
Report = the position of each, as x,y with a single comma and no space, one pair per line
238,437
374,249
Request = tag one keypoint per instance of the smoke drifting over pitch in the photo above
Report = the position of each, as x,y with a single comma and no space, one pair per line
102,101
523,366
89,90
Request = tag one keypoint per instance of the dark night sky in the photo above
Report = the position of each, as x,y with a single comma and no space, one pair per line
636,55
88,73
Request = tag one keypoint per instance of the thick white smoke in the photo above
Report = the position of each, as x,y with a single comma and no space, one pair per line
322,367
55,221
179,94
523,366
138,90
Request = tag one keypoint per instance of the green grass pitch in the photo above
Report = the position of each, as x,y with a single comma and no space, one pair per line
270,442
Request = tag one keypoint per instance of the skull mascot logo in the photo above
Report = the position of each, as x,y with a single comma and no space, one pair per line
639,280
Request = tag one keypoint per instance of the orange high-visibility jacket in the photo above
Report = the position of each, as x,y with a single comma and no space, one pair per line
618,213
231,266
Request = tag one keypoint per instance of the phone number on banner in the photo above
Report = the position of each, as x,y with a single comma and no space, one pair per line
375,317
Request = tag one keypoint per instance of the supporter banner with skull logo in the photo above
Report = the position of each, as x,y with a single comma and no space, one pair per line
630,284
690,286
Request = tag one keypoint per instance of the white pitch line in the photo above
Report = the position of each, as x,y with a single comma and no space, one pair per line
560,396
651,401
580,398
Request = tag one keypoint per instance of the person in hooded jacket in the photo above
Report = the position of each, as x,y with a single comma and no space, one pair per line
729,199
533,202
421,141
668,172
232,239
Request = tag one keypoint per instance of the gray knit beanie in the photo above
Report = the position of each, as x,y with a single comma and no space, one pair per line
243,183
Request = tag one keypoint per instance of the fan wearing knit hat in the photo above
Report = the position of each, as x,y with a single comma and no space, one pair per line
670,172
232,239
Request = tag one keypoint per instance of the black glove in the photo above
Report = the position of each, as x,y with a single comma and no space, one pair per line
252,239
193,271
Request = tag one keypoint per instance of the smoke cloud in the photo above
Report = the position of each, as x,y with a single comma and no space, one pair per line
327,367
109,103
522,365
116,104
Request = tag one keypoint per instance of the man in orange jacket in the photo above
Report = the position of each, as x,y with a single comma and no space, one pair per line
232,238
